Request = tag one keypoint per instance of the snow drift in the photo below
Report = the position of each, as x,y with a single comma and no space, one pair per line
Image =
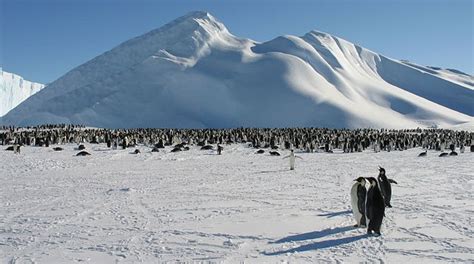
14,90
193,73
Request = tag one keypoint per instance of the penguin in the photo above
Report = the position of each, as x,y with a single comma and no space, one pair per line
260,151
57,149
207,147
219,149
292,157
274,153
83,153
180,145
385,187
155,149
81,147
160,144
374,206
423,154
444,154
358,197
16,149
10,148
176,149
136,151
453,153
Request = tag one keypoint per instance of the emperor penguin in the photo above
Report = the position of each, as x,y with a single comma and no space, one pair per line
358,197
292,157
385,186
374,206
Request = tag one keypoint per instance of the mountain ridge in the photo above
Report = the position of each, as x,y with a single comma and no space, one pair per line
193,72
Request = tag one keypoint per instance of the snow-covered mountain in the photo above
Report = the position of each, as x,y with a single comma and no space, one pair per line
14,90
193,73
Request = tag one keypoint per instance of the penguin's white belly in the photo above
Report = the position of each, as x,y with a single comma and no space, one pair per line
354,204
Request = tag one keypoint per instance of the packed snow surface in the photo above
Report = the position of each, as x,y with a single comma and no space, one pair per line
193,73
116,207
14,90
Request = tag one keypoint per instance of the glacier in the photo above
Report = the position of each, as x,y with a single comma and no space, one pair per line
14,90
193,73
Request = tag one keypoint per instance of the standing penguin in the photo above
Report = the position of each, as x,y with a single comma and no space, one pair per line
385,187
374,206
358,199
292,157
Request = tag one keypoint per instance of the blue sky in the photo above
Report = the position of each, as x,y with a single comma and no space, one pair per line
43,39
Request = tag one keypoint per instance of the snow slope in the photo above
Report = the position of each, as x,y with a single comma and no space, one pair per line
193,72
195,206
14,90
453,75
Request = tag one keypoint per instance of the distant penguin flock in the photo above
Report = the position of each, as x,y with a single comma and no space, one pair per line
369,197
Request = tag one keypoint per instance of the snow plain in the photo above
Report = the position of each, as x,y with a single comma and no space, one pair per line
117,207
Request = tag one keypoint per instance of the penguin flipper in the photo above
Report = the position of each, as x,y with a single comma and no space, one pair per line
392,181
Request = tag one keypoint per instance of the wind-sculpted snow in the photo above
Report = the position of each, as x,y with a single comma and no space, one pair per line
196,206
14,90
193,73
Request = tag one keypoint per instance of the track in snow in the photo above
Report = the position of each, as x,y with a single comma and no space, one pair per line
114,206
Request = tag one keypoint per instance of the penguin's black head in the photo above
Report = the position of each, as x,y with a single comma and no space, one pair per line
372,181
381,171
360,179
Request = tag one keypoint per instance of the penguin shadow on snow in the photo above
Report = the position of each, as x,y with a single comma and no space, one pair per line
333,214
317,245
314,234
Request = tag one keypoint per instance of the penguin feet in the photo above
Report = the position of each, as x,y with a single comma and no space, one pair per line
376,234
389,205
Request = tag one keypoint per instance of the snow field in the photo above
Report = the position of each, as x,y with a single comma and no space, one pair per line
114,206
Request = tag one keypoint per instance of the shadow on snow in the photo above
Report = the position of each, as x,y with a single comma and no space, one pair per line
320,245
333,214
313,235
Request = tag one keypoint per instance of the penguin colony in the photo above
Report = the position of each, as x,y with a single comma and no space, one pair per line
369,198
303,139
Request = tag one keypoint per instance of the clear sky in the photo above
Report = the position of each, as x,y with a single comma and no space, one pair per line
43,39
